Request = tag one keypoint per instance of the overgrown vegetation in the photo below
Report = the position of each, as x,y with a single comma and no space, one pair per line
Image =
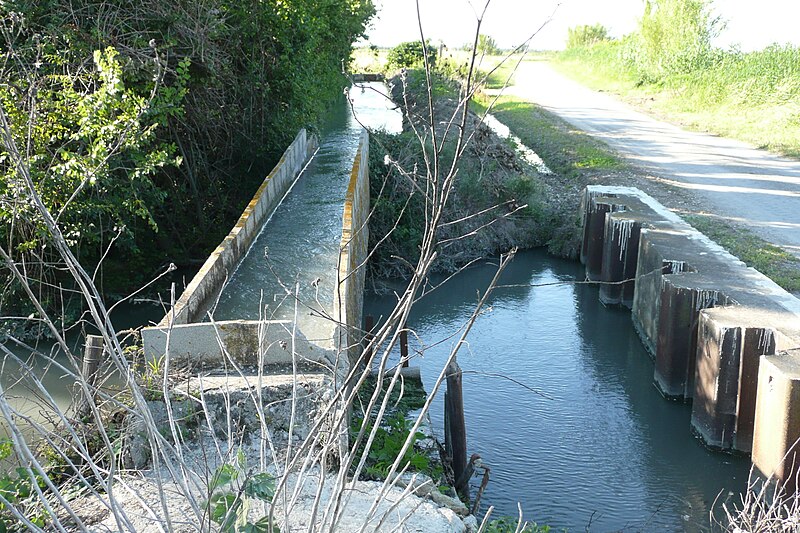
586,35
17,489
392,431
148,126
670,65
568,151
498,200
513,525
411,54
232,489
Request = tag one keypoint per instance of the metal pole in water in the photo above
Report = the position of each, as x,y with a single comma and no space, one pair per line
458,429
404,347
369,324
92,356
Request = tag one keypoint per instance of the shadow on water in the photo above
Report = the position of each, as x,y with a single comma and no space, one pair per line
603,447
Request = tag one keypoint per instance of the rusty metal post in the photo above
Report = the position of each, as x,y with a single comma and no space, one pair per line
458,429
369,324
92,357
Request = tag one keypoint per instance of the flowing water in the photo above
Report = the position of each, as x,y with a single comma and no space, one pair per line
299,246
581,436
558,389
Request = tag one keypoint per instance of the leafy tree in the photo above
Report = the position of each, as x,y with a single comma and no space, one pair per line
184,153
675,37
487,45
586,35
410,55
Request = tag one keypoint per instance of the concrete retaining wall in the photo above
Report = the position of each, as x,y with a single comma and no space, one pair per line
210,279
719,332
207,344
349,297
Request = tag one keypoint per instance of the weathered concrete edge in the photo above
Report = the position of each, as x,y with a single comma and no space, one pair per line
246,342
349,293
209,280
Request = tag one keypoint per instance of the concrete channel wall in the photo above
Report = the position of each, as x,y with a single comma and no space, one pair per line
197,343
349,297
722,335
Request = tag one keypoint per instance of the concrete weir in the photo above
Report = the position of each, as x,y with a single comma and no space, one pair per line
721,334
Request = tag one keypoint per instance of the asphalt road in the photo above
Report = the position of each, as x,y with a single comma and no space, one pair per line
732,179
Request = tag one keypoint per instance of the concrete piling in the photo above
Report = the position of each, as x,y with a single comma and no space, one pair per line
721,334
593,236
620,258
681,300
723,412
777,419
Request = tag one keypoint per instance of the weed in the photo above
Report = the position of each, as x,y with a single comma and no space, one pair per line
232,489
509,524
567,151
16,488
749,96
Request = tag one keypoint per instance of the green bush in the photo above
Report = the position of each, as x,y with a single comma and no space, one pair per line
175,123
586,35
674,37
410,55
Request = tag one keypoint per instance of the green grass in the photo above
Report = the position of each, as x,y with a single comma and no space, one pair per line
754,97
573,154
503,73
566,150
774,262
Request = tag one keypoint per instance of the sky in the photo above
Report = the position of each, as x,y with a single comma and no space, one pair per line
751,24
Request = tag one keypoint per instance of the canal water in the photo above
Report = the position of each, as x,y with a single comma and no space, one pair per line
599,447
299,247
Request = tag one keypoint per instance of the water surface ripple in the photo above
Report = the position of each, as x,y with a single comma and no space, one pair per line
603,449
299,246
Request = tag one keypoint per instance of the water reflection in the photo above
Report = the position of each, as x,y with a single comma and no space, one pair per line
605,449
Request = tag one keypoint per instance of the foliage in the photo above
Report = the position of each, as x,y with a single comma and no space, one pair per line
17,488
509,524
670,66
487,46
674,37
219,87
586,35
100,137
491,181
411,54
394,429
232,489
389,440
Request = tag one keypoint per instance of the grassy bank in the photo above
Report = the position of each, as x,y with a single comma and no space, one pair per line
566,150
580,159
754,97
776,263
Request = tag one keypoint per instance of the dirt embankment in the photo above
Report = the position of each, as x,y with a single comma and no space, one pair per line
499,200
